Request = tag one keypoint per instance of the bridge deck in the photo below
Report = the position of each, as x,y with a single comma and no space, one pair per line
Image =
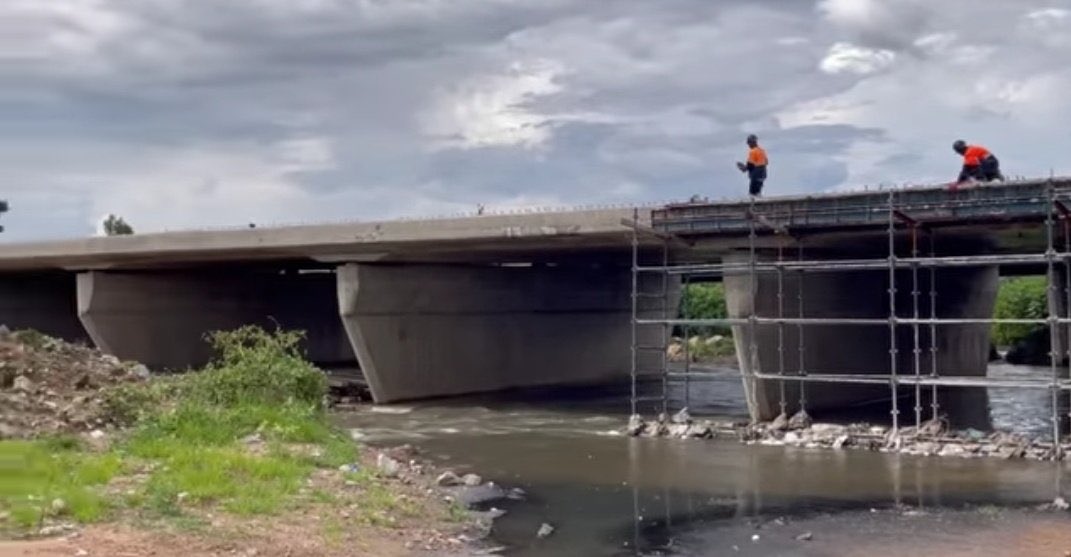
1021,201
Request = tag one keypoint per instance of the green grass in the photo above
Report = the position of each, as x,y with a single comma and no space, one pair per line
34,473
185,437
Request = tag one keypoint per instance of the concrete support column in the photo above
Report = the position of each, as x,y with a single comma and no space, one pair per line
855,349
433,330
45,302
161,318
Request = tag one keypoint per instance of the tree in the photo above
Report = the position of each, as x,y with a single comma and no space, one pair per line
116,226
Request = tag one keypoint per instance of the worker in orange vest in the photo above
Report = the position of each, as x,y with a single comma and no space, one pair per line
978,163
755,166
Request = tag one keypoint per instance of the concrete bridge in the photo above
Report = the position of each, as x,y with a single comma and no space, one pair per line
425,308
443,307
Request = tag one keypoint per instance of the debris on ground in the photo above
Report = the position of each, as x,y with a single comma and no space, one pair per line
545,530
49,386
932,438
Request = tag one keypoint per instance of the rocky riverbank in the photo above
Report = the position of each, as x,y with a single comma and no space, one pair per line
932,438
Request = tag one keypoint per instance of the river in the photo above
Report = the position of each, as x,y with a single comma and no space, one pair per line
607,494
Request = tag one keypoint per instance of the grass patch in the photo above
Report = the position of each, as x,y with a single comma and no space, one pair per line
34,474
188,441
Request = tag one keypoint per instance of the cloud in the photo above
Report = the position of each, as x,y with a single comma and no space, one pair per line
178,114
849,58
495,110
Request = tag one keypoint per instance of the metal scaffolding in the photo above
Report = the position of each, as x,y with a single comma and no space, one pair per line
659,274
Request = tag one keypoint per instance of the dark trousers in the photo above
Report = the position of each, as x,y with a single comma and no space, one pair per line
987,171
755,186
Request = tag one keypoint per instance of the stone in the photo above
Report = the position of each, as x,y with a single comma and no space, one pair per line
780,423
1060,504
471,480
932,428
636,425
755,538
81,553
828,430
253,439
140,371
682,417
805,537
952,449
22,384
791,438
677,430
516,494
447,479
799,420
58,506
181,497
699,431
545,530
926,448
351,468
387,466
840,441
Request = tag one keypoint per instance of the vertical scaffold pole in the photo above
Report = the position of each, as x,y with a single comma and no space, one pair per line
635,295
781,327
687,330
934,405
1054,330
895,410
665,327
1067,284
917,352
752,281
800,348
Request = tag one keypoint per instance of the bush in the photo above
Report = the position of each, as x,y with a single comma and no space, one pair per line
254,366
1019,298
704,301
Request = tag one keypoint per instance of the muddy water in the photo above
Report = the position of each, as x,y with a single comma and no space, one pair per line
611,495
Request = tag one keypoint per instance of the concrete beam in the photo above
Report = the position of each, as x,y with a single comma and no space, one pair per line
161,319
45,302
433,330
860,349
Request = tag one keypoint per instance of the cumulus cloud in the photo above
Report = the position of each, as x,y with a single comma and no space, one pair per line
846,57
180,114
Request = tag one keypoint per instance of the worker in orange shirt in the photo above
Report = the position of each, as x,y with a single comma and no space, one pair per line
755,166
978,163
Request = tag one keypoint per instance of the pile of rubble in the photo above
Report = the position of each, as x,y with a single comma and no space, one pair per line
48,386
931,438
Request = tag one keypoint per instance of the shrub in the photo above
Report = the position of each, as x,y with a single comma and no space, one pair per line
254,366
1019,298
704,301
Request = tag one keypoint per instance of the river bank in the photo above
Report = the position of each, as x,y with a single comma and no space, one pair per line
98,458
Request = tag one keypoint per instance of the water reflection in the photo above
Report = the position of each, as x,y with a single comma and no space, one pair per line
611,495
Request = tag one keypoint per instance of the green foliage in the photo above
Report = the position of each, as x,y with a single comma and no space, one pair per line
34,474
259,367
704,301
1019,298
188,435
116,226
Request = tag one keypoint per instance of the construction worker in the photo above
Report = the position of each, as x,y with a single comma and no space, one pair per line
978,163
755,166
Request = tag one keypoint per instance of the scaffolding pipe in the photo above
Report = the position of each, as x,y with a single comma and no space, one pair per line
894,411
1054,332
833,265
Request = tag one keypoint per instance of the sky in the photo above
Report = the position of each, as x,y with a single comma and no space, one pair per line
179,114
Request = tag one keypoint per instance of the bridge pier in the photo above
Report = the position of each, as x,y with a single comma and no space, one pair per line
161,318
424,330
963,350
44,302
